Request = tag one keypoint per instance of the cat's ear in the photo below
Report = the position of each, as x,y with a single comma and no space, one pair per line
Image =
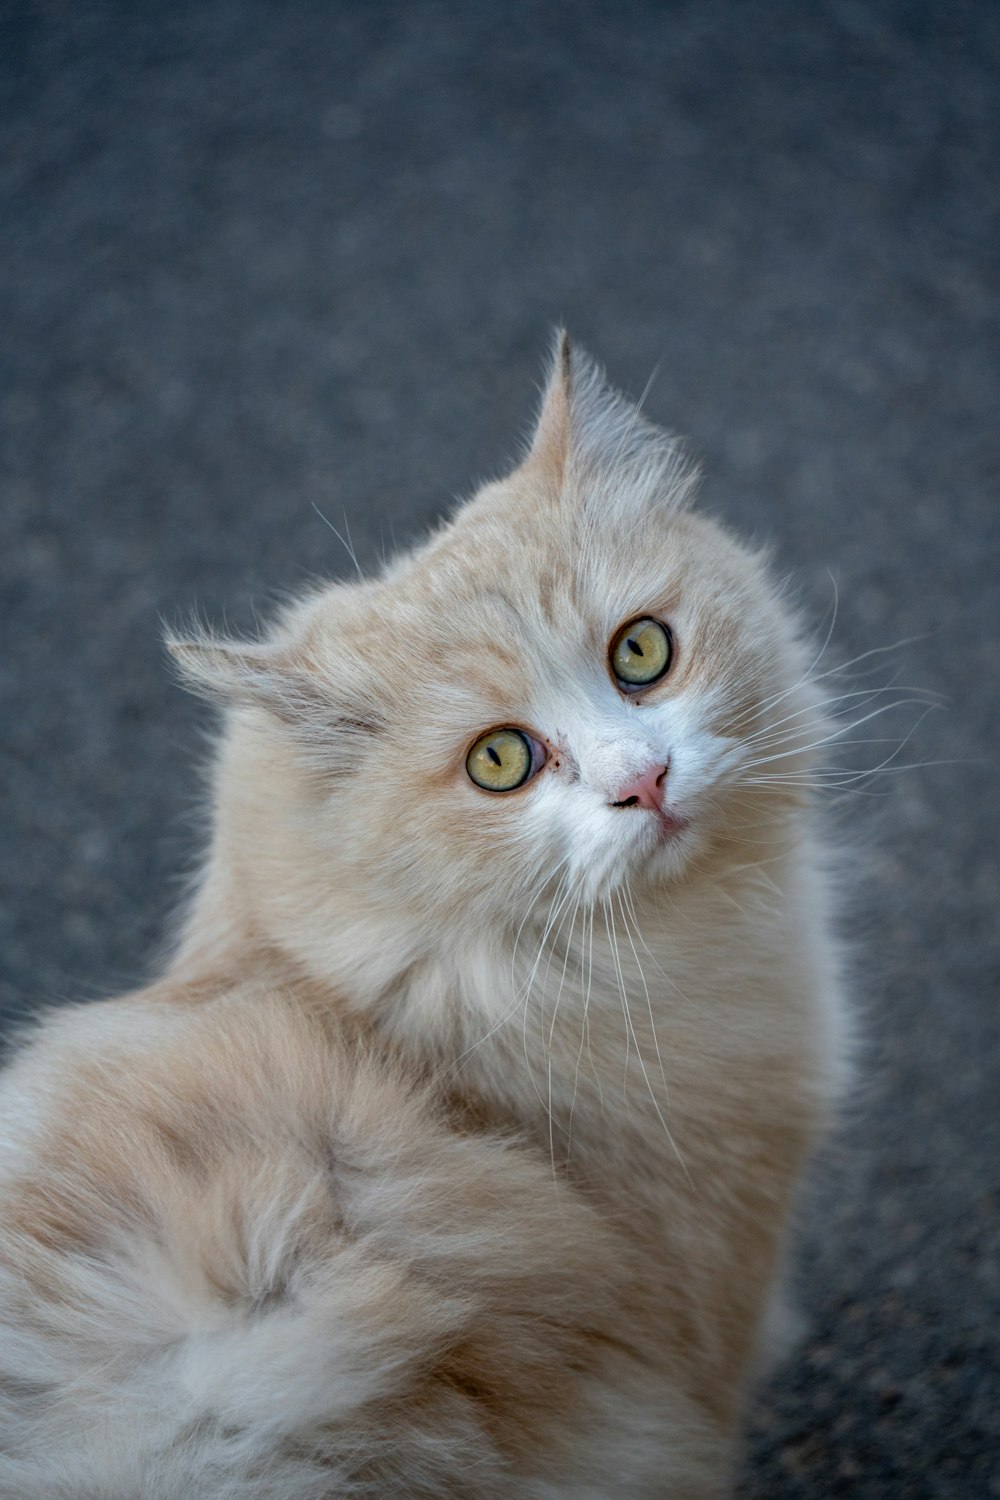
586,429
550,442
327,717
242,672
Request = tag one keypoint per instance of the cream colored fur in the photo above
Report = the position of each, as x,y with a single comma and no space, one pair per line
453,1153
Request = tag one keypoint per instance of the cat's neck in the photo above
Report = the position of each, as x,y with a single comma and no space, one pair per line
571,1018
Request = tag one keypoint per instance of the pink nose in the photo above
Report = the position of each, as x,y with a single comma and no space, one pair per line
645,791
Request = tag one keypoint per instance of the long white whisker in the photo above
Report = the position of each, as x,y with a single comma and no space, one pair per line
649,1003
830,629
555,1013
586,1011
558,905
875,713
630,1032
585,945
518,991
345,542
807,680
833,711
636,413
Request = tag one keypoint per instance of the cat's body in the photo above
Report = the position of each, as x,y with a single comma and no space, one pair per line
453,1154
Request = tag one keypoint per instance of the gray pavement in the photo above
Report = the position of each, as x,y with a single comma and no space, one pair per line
259,259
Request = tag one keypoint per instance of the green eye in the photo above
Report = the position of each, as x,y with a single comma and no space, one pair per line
500,761
641,652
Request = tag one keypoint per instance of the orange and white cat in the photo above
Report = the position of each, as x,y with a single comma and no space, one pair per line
453,1153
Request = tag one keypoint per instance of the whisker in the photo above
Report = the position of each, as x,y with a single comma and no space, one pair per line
555,1012
638,931
856,724
586,1011
561,897
345,542
630,1033
518,991
827,708
621,987
649,1003
588,920
808,680
844,776
830,629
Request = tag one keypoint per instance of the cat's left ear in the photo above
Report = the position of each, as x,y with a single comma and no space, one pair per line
587,431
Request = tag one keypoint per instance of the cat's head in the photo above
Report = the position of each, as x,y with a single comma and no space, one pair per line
565,689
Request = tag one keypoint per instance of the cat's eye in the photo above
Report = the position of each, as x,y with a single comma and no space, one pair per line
641,653
503,759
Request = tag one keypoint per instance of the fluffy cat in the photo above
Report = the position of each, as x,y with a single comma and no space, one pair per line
453,1153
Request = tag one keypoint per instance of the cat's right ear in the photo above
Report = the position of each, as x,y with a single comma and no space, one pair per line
330,722
234,671
551,441
259,674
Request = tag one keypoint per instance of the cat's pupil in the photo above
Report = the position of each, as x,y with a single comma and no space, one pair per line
634,646
494,757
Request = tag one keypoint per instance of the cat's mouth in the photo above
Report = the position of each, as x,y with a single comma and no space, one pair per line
671,823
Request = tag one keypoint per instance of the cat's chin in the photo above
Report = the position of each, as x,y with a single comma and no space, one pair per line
670,845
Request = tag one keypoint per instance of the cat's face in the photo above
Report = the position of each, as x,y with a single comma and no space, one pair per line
559,693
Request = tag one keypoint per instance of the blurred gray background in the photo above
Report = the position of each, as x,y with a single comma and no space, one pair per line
258,259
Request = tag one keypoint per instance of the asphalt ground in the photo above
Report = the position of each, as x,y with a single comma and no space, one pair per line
260,261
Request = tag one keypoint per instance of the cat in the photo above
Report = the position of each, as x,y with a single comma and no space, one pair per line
454,1151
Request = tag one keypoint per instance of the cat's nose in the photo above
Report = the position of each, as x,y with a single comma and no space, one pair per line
645,791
